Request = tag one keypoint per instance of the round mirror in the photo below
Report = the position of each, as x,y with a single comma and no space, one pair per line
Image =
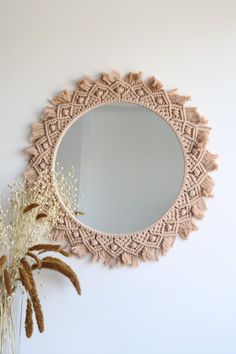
129,163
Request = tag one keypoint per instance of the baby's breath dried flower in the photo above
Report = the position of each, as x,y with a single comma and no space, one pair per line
26,219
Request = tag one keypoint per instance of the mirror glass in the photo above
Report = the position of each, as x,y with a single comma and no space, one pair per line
129,163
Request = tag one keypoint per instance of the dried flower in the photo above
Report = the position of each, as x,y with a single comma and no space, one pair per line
29,326
7,281
63,268
78,212
29,285
49,247
41,216
3,260
24,278
35,257
30,207
22,239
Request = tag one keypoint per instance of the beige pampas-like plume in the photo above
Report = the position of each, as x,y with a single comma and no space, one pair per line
61,267
7,281
24,233
49,247
29,325
3,260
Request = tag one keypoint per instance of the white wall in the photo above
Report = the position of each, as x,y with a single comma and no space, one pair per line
186,302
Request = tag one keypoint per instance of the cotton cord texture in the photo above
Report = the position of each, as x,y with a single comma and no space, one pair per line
192,131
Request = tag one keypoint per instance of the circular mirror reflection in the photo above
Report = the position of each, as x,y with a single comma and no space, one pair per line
129,163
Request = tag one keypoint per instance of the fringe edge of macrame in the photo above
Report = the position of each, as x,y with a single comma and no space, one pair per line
198,207
30,176
85,84
125,258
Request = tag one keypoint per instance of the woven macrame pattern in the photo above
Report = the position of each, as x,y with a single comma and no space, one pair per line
192,132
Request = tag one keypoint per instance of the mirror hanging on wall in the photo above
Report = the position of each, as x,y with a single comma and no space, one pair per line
139,154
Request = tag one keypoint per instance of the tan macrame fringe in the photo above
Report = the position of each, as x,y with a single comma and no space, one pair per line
202,137
199,208
194,117
31,152
49,113
166,244
150,93
110,78
64,97
85,84
153,84
177,99
133,77
31,176
207,186
37,132
186,228
209,161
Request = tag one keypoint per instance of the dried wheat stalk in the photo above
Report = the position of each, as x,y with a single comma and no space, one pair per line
7,281
41,216
30,217
3,260
63,268
29,326
28,282
35,257
49,247
30,207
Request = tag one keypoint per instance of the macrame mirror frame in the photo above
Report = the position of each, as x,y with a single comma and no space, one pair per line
189,126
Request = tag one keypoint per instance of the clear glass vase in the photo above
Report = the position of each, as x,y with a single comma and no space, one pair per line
11,322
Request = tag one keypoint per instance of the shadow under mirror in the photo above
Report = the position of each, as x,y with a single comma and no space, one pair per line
129,163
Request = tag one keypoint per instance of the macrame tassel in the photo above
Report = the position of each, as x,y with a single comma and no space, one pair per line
186,228
49,112
135,261
64,97
31,176
208,161
202,137
116,74
194,117
153,84
31,152
118,262
166,244
37,132
100,256
133,77
105,258
58,235
129,259
85,84
177,99
80,250
207,186
109,78
198,209
151,254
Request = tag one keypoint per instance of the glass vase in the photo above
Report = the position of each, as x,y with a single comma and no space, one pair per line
11,308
